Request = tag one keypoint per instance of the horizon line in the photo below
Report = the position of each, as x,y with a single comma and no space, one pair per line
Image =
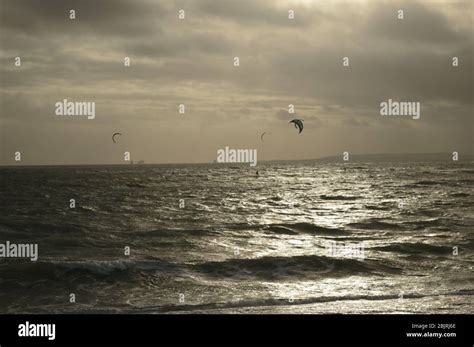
465,157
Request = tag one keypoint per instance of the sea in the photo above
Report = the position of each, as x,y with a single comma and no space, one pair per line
296,237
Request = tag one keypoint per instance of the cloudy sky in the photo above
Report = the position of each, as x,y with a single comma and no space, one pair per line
191,62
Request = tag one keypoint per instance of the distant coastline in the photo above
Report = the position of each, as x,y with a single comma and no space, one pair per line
354,158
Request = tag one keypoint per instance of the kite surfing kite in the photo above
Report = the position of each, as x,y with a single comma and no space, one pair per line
298,124
113,136
261,137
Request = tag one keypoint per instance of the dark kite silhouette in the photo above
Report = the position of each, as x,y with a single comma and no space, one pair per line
113,136
298,124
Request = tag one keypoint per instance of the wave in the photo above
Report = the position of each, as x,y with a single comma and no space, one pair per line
339,197
297,228
374,223
281,230
264,268
287,228
467,180
275,198
377,207
87,208
75,270
303,266
424,183
460,195
167,232
269,302
202,207
415,248
135,185
420,224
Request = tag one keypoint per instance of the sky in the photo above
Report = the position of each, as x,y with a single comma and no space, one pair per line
190,61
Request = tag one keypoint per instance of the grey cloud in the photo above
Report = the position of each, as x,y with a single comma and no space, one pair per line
282,62
421,24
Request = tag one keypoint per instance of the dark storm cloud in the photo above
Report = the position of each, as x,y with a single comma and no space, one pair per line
292,64
102,17
170,44
420,24
257,13
281,62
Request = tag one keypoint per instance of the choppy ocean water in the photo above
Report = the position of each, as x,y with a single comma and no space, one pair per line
299,238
